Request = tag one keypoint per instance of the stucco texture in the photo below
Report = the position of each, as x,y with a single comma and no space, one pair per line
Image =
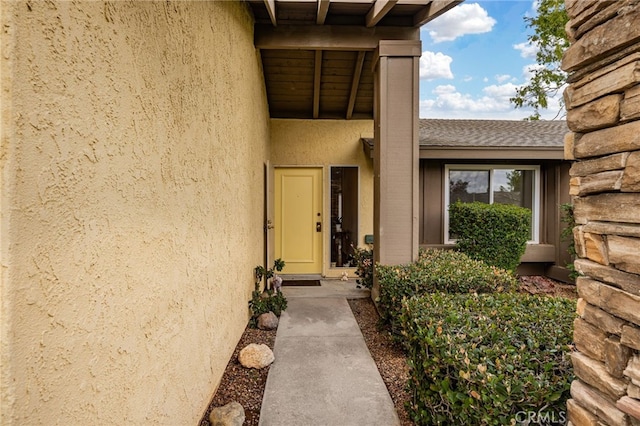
326,143
133,141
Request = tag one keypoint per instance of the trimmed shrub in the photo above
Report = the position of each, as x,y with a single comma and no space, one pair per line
488,359
437,270
364,266
494,233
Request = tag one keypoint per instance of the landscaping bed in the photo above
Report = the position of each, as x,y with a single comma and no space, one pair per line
243,385
247,386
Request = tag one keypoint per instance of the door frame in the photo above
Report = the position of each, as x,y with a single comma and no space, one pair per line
323,207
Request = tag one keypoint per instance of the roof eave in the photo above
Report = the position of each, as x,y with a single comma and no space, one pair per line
491,153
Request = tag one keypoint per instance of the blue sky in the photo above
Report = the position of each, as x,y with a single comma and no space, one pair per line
474,57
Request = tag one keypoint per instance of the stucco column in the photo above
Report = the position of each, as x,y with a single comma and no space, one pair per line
396,68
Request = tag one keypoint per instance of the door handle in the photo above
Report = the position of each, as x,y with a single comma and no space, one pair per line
318,226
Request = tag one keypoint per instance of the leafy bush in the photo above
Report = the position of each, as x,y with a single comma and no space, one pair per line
494,233
437,270
487,359
269,301
364,266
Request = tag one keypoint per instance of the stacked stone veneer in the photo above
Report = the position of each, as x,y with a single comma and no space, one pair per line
603,112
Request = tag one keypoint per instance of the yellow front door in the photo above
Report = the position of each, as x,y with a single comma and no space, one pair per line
298,219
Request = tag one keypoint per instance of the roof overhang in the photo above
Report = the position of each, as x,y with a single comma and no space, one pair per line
318,55
491,153
479,152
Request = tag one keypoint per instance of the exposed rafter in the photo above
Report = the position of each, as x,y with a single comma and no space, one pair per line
433,10
271,8
323,8
319,56
379,9
316,83
375,11
355,82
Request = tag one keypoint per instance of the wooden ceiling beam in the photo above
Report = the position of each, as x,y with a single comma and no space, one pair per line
328,37
357,72
323,9
379,9
433,10
271,8
317,74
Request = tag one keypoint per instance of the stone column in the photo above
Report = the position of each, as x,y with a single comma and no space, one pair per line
396,152
603,112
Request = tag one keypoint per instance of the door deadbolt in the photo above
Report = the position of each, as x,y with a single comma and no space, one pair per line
318,226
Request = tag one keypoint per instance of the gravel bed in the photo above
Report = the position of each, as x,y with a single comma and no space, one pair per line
243,385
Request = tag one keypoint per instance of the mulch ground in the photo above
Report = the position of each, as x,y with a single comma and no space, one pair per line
243,385
246,386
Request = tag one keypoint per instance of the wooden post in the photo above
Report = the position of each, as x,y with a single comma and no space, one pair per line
396,198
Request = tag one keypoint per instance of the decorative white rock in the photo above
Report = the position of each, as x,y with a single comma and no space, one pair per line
256,356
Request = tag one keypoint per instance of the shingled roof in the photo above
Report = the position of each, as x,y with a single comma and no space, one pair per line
492,133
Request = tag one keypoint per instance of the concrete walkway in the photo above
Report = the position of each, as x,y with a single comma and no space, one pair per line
323,373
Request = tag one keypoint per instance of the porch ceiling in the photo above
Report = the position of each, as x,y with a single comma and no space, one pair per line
317,55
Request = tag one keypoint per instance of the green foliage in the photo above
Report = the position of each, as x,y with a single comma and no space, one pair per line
363,258
486,359
437,270
278,264
494,233
567,235
262,272
550,37
269,301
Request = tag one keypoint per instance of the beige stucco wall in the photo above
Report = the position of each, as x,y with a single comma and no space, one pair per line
325,143
133,141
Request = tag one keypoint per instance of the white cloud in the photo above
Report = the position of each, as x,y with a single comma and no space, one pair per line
527,50
535,4
493,103
500,93
529,70
435,65
467,18
467,79
501,78
444,89
493,99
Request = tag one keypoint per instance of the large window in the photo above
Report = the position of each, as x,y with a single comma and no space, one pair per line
508,184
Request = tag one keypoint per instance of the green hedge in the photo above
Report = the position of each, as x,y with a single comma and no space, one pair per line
494,233
487,359
437,270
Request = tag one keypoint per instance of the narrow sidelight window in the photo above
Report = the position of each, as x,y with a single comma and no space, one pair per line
344,214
